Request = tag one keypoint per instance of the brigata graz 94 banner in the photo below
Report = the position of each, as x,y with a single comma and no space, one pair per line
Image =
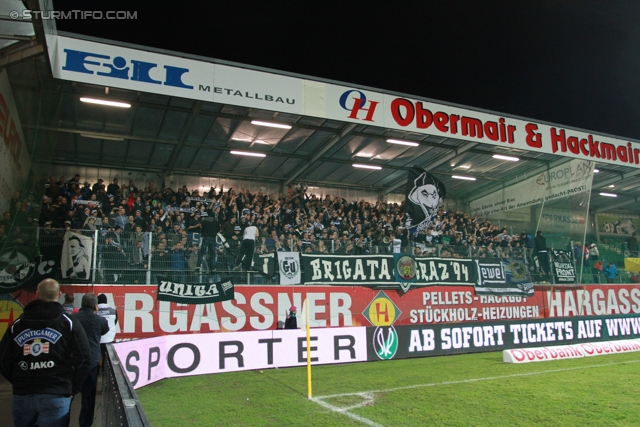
259,308
377,270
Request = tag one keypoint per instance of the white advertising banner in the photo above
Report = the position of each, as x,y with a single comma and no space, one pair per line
152,359
14,157
565,180
140,70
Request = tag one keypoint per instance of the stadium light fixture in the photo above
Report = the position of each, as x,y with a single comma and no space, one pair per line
464,167
357,165
468,178
611,186
400,142
270,124
248,153
608,195
105,102
508,158
596,170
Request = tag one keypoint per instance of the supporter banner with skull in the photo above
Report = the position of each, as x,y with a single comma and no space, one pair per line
423,194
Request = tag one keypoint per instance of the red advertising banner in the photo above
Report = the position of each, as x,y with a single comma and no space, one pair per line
258,308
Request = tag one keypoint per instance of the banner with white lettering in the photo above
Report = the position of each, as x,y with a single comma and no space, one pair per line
289,268
196,293
563,266
262,307
77,253
506,276
369,270
400,342
570,178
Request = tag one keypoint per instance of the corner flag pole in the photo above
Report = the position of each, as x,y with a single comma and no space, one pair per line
306,309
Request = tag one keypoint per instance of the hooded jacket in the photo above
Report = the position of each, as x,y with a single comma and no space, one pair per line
45,351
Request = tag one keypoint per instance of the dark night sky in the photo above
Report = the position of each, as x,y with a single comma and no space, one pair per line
576,63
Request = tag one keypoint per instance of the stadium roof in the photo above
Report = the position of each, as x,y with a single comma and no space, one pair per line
170,134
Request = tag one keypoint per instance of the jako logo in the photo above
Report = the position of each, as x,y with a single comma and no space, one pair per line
119,68
385,346
359,104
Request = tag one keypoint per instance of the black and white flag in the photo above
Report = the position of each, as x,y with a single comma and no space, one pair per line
197,293
77,252
423,194
289,268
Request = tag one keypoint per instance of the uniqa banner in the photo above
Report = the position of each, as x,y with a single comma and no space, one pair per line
186,293
503,276
289,268
570,178
563,266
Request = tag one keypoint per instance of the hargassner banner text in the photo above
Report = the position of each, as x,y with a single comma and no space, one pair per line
153,359
565,180
140,70
260,308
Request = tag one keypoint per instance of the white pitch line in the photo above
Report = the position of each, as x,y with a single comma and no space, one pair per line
368,395
345,411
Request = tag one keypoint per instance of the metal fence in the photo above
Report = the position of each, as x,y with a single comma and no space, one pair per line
125,257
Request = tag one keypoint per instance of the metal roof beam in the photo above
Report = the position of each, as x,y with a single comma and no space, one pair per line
468,146
616,205
622,177
318,155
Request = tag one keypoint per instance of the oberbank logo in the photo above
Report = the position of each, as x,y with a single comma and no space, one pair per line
120,68
382,311
359,107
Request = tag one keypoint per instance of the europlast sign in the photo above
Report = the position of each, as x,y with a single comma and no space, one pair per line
142,70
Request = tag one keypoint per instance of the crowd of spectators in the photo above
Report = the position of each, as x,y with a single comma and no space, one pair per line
183,230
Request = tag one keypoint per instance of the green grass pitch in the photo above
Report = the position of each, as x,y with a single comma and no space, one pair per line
465,390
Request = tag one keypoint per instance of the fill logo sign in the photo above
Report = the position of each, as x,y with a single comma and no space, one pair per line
385,342
382,311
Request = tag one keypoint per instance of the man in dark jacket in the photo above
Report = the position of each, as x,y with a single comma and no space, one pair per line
45,355
95,326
